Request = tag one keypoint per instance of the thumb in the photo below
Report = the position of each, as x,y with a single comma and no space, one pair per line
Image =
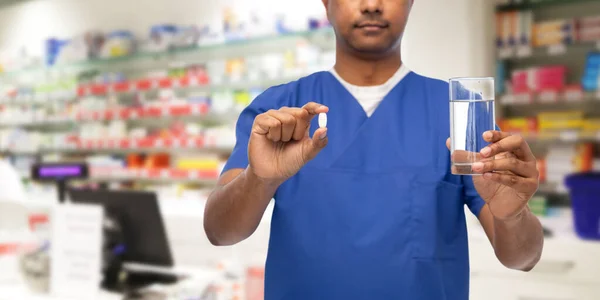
313,146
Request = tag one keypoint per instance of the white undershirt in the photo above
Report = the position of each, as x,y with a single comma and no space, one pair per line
369,97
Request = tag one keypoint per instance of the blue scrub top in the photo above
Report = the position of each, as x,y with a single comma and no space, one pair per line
377,214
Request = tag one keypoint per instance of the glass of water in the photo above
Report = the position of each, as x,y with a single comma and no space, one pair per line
471,114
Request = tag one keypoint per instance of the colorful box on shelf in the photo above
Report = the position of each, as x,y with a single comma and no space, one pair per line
591,77
585,157
197,164
589,21
561,32
589,29
591,125
560,120
539,79
142,85
513,33
590,34
542,169
519,125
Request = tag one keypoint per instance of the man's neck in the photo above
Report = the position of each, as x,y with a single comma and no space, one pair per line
366,72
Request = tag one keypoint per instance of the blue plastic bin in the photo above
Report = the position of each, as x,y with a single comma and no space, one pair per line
584,190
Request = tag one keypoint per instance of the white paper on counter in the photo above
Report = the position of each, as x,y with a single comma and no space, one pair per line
76,251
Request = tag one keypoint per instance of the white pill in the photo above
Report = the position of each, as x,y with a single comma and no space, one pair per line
322,120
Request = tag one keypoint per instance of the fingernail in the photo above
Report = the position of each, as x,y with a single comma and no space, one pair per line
487,135
487,175
323,135
486,151
478,166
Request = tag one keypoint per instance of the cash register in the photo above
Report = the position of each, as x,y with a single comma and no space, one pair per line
134,234
134,231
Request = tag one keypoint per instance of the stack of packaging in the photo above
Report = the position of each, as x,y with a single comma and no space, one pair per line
524,126
539,79
554,32
568,121
591,77
589,29
516,32
564,125
513,32
563,160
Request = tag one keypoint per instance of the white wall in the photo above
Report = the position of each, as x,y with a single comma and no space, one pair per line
444,38
450,38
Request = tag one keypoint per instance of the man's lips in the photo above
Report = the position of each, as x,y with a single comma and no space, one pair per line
372,25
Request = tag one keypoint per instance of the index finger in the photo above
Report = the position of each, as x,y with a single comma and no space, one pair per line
506,142
493,136
314,108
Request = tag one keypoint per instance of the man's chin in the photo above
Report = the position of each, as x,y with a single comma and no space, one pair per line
373,50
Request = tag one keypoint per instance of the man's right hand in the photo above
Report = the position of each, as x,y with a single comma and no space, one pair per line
280,144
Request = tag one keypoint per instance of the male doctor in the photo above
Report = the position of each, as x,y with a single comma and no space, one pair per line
367,208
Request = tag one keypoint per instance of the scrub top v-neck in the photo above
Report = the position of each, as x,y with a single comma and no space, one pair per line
369,97
377,214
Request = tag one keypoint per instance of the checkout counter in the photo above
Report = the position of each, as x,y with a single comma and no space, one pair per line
568,269
122,235
130,250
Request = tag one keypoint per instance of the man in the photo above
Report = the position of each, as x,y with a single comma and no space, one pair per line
367,208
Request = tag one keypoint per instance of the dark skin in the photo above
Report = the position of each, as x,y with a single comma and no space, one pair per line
369,36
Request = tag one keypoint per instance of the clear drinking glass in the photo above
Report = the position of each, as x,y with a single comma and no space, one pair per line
472,113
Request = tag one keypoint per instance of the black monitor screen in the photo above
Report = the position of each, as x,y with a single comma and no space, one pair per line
139,215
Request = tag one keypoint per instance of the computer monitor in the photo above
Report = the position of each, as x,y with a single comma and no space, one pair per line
141,222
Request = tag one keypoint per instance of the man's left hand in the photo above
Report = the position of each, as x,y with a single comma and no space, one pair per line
508,180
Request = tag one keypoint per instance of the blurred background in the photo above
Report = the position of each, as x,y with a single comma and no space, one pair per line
147,93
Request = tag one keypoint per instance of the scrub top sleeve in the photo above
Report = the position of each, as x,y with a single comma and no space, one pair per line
270,99
239,155
472,198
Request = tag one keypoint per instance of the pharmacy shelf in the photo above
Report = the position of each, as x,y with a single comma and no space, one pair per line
530,105
198,83
66,94
156,114
550,98
202,83
529,4
116,174
563,137
322,37
44,122
142,85
560,50
128,114
212,144
171,145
